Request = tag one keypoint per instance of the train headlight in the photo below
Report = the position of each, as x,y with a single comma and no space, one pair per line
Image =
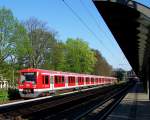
33,83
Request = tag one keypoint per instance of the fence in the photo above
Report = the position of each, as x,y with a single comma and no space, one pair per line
4,84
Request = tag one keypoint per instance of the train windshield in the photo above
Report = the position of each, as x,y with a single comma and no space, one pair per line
28,76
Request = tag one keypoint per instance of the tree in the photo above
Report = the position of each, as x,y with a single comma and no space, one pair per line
41,41
119,73
58,57
23,50
101,67
79,56
8,27
10,30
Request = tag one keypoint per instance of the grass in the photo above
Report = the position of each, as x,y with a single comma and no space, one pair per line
3,96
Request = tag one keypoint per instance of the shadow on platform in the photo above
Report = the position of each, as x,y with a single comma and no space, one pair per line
134,106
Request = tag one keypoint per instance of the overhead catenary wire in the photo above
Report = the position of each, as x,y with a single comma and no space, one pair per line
88,28
98,25
95,21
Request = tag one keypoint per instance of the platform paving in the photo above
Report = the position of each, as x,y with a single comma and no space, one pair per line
134,106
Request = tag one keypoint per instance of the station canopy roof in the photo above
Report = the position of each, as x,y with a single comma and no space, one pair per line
129,23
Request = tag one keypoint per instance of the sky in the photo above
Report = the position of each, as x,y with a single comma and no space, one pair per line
84,22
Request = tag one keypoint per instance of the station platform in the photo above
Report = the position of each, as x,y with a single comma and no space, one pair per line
134,106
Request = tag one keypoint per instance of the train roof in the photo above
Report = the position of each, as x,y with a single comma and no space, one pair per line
60,72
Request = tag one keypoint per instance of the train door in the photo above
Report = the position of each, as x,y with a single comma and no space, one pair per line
46,81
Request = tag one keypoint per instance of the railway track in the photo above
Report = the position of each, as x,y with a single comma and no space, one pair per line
58,107
102,110
95,109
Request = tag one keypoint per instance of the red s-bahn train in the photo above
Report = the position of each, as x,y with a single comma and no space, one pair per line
37,82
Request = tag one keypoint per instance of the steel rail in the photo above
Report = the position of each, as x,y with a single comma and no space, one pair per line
11,107
63,113
105,107
72,113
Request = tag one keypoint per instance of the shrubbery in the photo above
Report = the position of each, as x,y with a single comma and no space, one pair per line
13,94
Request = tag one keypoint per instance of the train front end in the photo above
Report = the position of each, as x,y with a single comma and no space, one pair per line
28,83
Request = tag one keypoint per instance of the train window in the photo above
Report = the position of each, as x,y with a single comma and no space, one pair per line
46,79
87,80
71,79
59,79
82,80
79,79
99,80
56,79
63,79
102,80
96,80
92,80
28,76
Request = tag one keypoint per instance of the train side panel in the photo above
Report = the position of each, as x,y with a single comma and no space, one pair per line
37,82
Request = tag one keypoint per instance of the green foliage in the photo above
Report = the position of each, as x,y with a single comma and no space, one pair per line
33,44
13,94
39,43
3,96
8,39
23,49
119,73
9,73
58,57
7,30
101,67
79,56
